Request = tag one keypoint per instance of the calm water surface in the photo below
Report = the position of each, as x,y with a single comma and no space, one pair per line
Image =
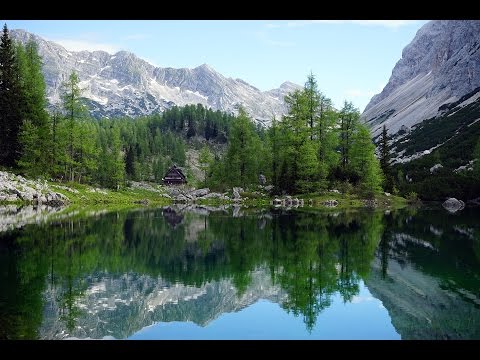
196,273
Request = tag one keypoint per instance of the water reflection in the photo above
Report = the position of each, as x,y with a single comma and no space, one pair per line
113,274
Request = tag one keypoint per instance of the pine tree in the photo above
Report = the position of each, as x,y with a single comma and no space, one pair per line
296,132
129,162
385,158
312,96
118,165
275,148
364,161
241,159
349,116
74,110
10,110
36,157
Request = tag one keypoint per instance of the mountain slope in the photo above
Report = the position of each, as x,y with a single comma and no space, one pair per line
439,67
123,84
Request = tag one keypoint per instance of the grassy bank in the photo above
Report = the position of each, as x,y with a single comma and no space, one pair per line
145,194
80,194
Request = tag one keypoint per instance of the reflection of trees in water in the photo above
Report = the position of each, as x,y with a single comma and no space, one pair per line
311,256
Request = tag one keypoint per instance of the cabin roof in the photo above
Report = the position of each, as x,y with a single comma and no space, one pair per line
174,173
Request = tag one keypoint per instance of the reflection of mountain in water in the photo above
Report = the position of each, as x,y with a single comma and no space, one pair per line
113,274
429,281
123,305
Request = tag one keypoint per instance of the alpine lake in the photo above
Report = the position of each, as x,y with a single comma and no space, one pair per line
242,273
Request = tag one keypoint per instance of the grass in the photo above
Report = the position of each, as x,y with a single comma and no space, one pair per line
86,197
124,196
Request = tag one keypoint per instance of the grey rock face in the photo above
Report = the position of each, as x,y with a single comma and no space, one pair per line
453,205
236,193
15,187
435,167
123,84
120,306
439,66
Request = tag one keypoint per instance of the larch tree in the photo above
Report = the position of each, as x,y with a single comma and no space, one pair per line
241,159
10,109
364,161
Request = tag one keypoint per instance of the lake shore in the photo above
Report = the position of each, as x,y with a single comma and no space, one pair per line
15,189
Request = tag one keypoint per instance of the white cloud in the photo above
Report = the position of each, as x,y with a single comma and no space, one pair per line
79,45
392,24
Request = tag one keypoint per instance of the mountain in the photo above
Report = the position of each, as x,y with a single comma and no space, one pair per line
439,70
119,306
123,84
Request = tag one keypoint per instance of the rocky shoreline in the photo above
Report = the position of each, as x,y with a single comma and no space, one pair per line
15,188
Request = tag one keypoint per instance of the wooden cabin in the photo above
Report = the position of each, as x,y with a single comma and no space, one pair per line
174,176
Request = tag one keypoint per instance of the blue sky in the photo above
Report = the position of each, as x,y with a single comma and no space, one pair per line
351,59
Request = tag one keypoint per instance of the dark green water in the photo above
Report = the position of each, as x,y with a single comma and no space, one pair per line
248,274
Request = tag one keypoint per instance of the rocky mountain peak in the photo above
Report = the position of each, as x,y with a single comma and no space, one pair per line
124,84
439,66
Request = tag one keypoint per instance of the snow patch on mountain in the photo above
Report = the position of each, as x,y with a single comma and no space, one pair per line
123,84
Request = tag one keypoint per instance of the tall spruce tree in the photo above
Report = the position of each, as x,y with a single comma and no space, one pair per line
312,97
74,110
35,131
10,108
349,116
385,158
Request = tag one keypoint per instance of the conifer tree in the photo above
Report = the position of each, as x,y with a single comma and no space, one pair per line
10,111
385,158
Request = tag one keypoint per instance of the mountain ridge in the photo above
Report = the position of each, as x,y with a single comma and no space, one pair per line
439,66
124,84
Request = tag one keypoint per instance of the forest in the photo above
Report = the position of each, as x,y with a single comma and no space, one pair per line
314,147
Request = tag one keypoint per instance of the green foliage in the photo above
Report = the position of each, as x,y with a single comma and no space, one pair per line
241,159
205,158
412,197
300,154
460,128
10,102
349,120
385,159
364,162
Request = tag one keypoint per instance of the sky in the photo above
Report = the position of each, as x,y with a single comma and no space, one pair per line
351,59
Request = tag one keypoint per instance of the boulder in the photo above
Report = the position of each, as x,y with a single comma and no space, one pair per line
435,167
453,205
262,179
236,193
199,192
